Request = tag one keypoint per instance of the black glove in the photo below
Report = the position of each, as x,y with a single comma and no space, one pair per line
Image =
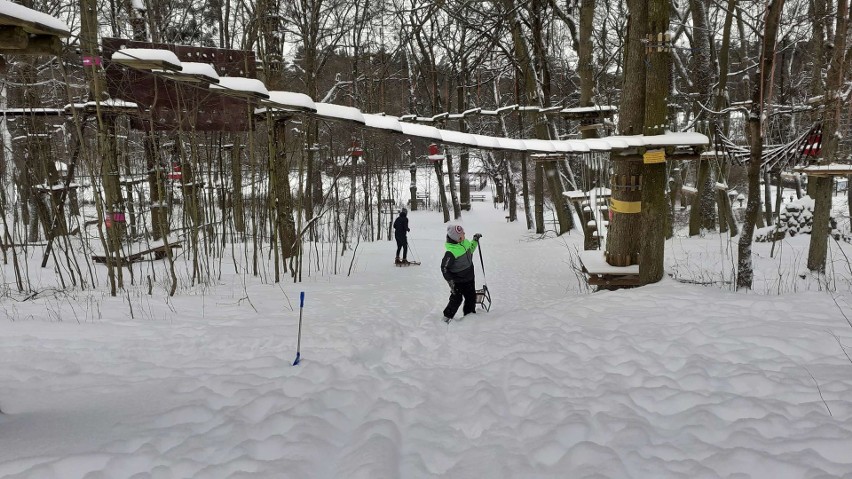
477,236
452,286
407,229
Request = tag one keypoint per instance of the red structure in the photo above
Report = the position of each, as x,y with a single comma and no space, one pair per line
170,104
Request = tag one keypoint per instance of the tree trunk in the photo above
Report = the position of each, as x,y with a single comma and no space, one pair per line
585,60
622,245
745,268
702,216
439,173
412,169
534,96
237,202
538,188
454,198
654,204
822,190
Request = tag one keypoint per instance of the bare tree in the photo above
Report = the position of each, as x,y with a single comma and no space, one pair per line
833,106
763,78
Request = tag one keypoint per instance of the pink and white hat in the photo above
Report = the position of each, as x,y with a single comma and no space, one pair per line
455,232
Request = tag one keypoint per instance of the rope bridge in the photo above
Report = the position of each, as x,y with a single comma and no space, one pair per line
800,150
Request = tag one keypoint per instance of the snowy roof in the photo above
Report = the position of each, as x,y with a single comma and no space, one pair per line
422,131
32,111
458,138
562,146
339,112
194,71
243,87
382,122
590,109
579,146
31,20
832,169
676,139
606,144
292,100
629,141
110,103
147,59
539,146
512,144
487,142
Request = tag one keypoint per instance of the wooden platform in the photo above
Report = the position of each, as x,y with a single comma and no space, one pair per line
602,273
159,251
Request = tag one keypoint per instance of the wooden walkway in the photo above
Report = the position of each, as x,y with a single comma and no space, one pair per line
159,251
602,273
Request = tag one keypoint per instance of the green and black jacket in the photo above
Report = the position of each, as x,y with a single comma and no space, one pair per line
457,265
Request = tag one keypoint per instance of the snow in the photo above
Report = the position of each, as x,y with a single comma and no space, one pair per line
339,112
458,138
241,86
32,111
382,122
835,168
590,109
147,54
512,144
677,139
288,99
605,144
578,194
486,142
421,131
595,262
21,12
204,70
668,380
578,146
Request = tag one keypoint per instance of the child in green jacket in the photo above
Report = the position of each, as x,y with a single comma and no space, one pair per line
457,268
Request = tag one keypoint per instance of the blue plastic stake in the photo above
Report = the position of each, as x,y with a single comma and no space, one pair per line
299,340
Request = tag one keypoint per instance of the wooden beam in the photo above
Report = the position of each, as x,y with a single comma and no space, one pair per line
30,26
36,45
13,38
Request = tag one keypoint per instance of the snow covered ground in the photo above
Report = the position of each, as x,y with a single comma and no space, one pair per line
670,380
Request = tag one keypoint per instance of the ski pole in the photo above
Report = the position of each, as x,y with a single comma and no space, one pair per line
299,340
414,253
482,263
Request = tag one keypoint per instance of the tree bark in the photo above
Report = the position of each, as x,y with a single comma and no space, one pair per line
654,205
823,185
745,268
702,215
622,245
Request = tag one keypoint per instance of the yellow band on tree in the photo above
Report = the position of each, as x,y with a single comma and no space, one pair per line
619,206
654,156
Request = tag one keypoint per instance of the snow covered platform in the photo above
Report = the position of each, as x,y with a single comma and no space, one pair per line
833,169
602,273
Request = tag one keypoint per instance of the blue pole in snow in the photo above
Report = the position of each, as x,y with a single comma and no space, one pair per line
299,340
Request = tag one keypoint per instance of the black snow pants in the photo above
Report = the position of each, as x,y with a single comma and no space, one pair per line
402,244
462,291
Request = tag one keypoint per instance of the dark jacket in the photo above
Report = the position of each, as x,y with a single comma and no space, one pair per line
400,226
457,265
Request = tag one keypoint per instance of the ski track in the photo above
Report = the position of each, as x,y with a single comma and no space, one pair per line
550,381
